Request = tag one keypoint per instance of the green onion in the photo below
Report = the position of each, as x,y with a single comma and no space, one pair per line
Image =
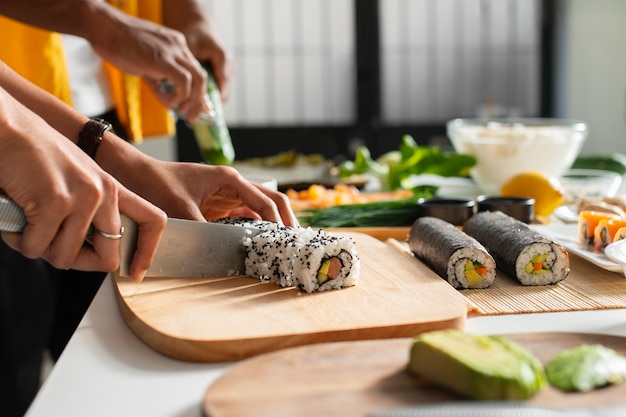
381,213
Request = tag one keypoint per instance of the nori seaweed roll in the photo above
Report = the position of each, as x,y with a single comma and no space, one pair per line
452,254
519,251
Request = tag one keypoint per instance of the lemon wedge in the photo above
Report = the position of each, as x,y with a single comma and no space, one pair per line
545,189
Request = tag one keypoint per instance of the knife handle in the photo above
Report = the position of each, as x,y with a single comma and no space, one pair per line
12,217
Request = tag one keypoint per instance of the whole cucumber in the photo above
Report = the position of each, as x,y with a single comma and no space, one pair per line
214,139
615,162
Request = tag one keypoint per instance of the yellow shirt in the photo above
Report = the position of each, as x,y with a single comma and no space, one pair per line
139,111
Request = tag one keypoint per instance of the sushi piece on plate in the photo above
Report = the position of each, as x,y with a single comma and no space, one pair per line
620,234
518,250
452,254
605,231
587,222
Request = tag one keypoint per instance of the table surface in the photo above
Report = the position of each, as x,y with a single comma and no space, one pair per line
107,371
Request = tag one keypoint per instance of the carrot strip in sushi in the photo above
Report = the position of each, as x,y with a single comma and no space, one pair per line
587,222
604,232
518,250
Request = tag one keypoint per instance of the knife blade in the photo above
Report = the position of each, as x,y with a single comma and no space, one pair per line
497,409
191,249
187,248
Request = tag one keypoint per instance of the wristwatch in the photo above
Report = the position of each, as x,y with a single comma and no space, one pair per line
91,135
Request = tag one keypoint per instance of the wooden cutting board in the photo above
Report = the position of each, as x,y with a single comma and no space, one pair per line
400,234
231,318
355,378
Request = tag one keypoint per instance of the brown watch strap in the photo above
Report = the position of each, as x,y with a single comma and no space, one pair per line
90,137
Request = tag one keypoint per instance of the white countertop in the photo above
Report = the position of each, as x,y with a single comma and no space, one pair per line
107,371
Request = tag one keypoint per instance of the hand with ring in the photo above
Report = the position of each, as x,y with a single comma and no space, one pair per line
62,191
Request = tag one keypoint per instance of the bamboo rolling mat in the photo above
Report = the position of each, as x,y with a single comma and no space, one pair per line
588,287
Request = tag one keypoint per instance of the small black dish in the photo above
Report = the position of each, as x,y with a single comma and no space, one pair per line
452,210
520,208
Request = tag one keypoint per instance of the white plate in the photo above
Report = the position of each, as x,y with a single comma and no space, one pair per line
617,252
567,213
567,235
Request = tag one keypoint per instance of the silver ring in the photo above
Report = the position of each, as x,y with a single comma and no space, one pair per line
166,87
114,236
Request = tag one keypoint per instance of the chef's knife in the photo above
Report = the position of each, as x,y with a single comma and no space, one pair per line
191,249
497,409
187,248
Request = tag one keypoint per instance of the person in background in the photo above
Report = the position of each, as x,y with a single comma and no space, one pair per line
112,56
107,64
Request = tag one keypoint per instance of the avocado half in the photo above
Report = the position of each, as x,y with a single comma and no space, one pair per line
477,367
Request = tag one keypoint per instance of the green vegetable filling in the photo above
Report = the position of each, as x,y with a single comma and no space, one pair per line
538,265
322,273
474,272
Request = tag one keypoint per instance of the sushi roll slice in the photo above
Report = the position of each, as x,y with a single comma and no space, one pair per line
604,233
327,262
518,250
587,222
271,254
312,260
452,254
620,234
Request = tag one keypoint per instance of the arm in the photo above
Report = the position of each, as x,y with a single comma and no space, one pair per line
188,17
62,191
184,190
192,191
136,46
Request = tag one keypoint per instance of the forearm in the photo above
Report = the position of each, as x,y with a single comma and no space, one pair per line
104,26
61,117
114,154
74,17
182,14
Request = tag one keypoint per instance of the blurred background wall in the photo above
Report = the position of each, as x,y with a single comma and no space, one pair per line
591,70
328,75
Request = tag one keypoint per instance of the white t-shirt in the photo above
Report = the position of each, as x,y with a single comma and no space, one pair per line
91,92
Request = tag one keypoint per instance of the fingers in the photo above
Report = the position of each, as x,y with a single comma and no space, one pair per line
281,203
195,103
61,237
151,222
224,75
183,89
57,232
236,192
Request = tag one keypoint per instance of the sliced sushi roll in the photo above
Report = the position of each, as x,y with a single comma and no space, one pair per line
518,250
452,254
271,254
312,260
588,220
604,233
327,262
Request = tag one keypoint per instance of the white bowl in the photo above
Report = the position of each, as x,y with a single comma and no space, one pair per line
504,147
589,183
